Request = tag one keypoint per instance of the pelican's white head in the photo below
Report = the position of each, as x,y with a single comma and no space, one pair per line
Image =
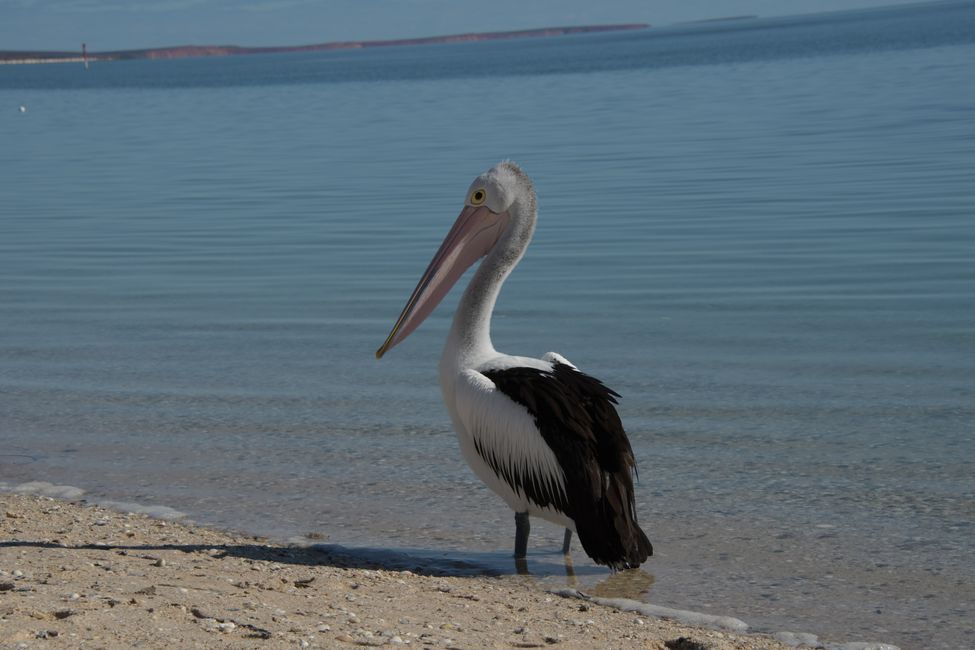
496,188
495,201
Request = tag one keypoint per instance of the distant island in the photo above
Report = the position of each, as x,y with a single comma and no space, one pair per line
182,51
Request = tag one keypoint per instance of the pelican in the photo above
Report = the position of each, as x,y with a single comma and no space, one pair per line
541,434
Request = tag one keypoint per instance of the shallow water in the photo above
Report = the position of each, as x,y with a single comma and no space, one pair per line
759,233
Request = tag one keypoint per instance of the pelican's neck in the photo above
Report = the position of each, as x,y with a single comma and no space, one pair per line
469,341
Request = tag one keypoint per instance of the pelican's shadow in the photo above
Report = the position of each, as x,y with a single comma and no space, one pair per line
547,569
313,555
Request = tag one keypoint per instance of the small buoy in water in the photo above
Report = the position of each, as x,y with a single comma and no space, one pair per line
23,109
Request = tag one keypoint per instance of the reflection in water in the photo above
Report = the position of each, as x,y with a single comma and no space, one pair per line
633,584
570,570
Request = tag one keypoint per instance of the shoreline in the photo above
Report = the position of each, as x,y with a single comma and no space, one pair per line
76,575
43,61
185,51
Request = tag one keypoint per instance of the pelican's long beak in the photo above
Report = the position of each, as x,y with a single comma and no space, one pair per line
475,232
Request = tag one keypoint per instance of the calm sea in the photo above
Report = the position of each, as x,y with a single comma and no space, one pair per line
761,233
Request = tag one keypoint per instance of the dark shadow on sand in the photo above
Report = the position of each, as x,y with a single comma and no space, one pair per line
549,569
317,555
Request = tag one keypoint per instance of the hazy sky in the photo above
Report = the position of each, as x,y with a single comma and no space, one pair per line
121,24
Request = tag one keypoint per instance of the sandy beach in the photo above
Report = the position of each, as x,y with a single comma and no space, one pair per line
74,575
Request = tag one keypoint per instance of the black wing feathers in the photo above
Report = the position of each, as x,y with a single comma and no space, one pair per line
577,418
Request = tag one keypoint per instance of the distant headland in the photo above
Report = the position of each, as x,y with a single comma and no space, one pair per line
182,51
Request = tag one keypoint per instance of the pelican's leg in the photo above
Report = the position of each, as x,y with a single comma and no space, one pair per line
567,541
522,528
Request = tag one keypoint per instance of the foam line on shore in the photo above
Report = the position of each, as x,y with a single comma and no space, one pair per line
72,493
156,512
700,619
687,617
44,489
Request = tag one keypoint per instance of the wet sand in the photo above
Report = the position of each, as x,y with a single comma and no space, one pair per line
74,575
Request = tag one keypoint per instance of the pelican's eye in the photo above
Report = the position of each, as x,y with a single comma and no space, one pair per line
478,196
